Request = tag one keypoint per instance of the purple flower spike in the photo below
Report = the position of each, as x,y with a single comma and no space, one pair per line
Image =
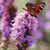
24,29
7,17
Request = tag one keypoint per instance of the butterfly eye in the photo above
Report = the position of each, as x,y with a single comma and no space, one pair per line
32,5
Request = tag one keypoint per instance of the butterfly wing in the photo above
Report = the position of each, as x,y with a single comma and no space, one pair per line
42,5
37,7
29,6
34,9
31,12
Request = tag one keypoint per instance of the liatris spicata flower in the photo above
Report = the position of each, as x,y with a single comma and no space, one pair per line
40,20
2,5
24,29
8,15
41,25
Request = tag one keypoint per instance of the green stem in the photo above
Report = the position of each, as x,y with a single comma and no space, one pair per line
5,48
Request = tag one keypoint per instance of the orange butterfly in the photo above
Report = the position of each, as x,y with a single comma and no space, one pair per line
34,9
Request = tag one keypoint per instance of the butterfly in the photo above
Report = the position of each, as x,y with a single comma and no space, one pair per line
34,9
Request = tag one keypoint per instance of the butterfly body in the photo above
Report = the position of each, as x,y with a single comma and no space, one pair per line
34,9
